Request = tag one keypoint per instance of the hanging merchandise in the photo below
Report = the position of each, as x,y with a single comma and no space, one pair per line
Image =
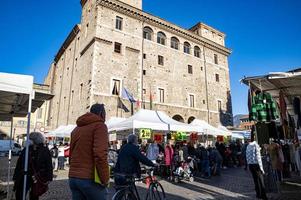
297,110
264,108
145,133
282,105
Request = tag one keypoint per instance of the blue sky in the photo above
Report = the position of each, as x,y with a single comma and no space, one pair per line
263,34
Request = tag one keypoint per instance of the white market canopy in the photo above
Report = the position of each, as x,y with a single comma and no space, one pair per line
238,134
225,130
14,96
66,130
113,121
62,131
155,120
208,129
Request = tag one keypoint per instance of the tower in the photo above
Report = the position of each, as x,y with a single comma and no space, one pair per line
134,3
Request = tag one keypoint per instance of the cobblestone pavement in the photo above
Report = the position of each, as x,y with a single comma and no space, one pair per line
235,183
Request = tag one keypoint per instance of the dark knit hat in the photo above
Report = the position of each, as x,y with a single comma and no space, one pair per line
97,109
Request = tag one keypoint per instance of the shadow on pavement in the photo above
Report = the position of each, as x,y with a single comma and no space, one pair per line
59,190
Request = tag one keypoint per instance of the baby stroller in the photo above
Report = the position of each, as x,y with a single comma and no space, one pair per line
184,171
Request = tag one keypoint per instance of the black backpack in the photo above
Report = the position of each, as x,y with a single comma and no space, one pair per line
54,152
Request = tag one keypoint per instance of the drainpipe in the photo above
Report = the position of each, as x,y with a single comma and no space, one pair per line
206,84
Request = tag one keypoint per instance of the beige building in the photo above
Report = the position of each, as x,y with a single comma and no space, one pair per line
117,45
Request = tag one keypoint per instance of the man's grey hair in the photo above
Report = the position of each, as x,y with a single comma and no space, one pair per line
133,139
37,138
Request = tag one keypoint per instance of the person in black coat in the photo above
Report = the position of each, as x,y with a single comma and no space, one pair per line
128,162
39,164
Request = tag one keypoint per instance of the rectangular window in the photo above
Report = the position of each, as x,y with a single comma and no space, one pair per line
161,95
217,77
116,87
118,24
117,47
144,91
144,56
191,100
160,60
189,69
144,72
215,59
219,105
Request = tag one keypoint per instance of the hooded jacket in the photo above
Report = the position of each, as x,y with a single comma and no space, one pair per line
89,148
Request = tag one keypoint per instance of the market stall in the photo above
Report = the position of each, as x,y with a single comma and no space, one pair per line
274,104
155,120
19,99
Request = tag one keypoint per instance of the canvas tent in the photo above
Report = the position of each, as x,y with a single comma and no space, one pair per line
226,132
208,129
62,131
238,135
155,120
18,99
113,121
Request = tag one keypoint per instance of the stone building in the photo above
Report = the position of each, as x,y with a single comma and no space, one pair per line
117,45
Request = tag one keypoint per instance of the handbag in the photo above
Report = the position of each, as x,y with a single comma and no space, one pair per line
39,186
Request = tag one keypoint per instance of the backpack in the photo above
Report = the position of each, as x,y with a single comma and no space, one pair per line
54,153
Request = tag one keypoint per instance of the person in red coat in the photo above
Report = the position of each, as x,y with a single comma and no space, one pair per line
169,153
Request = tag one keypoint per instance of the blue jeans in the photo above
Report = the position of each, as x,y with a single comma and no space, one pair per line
86,189
206,167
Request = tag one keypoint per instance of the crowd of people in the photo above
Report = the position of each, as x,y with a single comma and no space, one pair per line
87,156
206,161
60,155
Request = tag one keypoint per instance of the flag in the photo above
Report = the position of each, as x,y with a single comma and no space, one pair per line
127,95
122,106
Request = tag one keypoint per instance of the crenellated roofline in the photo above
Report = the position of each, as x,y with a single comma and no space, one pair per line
128,10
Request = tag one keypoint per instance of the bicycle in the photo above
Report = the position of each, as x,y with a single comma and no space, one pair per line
129,191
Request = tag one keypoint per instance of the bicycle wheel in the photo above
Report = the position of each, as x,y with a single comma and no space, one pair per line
155,192
124,195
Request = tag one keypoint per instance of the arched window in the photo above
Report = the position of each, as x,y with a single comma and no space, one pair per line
178,118
190,119
186,47
197,51
174,43
161,38
147,33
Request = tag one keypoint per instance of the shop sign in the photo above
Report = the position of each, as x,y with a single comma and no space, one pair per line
220,138
145,133
194,136
179,136
158,137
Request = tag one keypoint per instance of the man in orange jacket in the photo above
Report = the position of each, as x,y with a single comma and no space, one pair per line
89,151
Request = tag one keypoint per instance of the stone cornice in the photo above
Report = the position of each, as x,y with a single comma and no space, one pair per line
128,10
67,42
94,39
